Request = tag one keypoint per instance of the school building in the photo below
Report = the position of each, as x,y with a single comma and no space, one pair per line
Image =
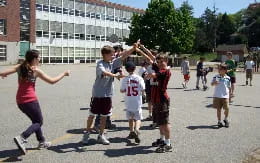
64,31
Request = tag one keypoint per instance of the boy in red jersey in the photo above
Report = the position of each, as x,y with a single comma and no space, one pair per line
160,100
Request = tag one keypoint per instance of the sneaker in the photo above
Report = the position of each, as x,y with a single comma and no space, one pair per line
157,143
44,144
85,138
164,148
197,87
131,135
220,124
205,88
137,138
20,142
103,140
226,123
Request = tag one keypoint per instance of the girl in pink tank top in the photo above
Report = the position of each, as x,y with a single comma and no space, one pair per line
26,98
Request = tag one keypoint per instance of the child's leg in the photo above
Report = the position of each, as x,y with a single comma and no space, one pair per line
150,108
131,125
198,81
103,120
137,125
219,114
90,122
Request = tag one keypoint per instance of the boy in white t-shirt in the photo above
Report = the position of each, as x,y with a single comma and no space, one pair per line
221,95
133,86
249,67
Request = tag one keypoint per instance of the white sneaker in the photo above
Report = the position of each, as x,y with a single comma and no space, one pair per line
85,138
20,142
103,140
44,144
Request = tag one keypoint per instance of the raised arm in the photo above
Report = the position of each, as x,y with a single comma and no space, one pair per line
48,79
148,52
150,60
9,71
126,53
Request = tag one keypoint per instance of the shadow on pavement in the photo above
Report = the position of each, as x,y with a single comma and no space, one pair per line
10,155
246,106
71,147
191,89
137,150
202,127
175,88
210,106
84,108
120,120
76,131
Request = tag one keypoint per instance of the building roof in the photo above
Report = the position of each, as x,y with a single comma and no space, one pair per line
254,5
224,47
114,5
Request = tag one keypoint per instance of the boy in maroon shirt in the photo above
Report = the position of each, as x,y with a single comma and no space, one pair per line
160,100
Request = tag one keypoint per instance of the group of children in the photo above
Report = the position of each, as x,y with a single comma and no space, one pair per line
152,80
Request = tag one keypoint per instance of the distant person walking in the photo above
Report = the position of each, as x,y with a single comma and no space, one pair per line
185,69
26,98
249,68
200,74
231,69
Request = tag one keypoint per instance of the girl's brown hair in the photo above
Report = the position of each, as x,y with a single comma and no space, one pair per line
25,68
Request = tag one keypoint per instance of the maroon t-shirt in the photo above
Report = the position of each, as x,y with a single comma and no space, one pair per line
158,92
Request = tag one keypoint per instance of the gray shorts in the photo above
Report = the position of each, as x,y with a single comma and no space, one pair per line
136,115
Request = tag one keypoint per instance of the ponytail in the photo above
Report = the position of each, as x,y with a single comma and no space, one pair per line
25,70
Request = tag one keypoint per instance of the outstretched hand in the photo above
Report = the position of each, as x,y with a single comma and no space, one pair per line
119,77
67,73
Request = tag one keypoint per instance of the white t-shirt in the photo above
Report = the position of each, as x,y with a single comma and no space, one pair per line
141,71
249,64
133,85
222,89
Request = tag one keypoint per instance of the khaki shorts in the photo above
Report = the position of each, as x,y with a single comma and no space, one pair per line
220,103
249,73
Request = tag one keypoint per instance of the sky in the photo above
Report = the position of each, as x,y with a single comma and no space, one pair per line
199,6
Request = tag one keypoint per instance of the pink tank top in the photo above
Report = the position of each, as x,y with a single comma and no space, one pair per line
26,90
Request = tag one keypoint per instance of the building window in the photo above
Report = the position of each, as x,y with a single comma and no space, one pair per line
65,11
39,34
45,8
39,7
3,53
77,13
58,10
2,27
52,9
2,2
71,12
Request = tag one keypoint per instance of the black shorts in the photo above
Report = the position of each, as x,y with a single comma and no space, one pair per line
161,113
233,80
101,106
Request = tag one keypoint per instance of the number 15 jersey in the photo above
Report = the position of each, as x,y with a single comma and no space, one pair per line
133,85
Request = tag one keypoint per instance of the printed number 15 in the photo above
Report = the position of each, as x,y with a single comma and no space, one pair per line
132,91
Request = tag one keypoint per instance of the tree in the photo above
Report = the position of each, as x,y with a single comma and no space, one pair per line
225,29
164,26
206,27
252,26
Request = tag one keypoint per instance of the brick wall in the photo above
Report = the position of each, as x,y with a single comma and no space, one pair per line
11,12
